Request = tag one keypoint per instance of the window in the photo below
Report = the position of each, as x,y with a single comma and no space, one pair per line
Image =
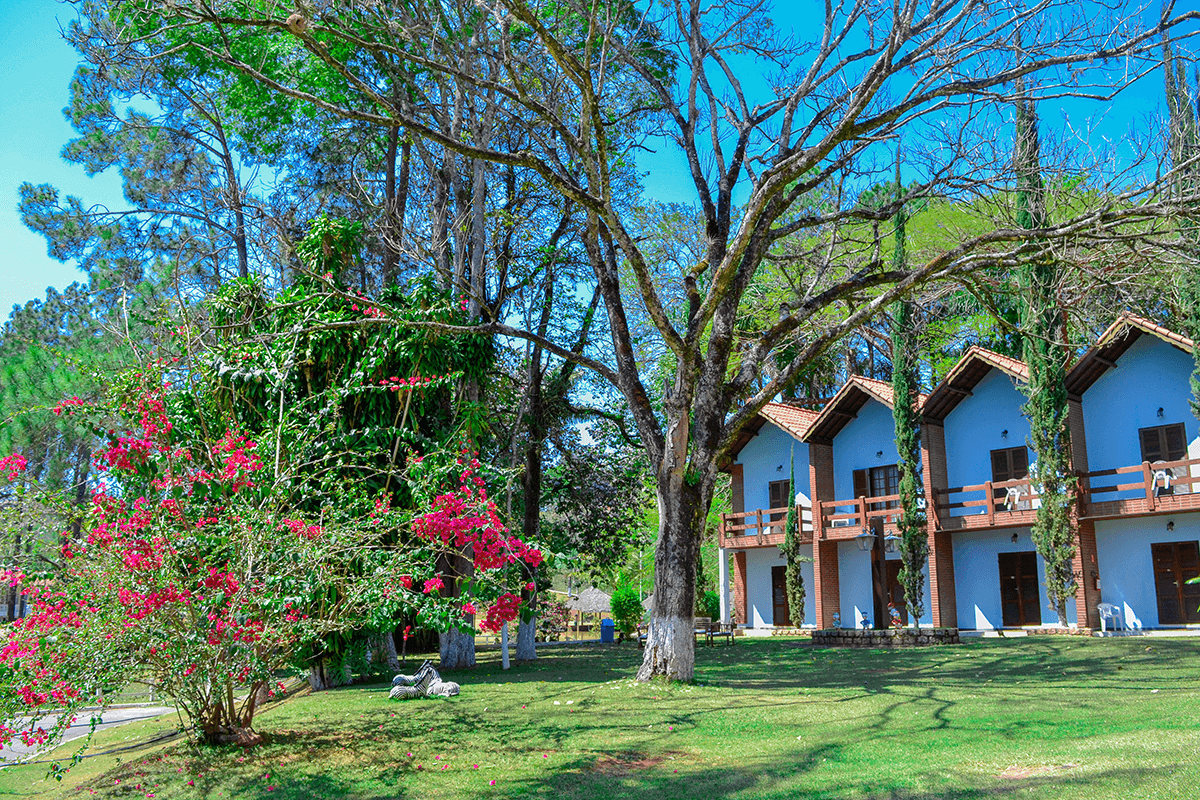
1010,464
878,482
1163,443
1166,443
777,497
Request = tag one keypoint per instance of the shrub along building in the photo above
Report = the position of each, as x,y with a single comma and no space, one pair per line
1135,452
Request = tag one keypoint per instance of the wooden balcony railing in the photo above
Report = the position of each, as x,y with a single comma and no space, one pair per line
757,529
853,515
1157,488
986,505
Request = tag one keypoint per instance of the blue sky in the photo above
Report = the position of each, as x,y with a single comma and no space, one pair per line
34,76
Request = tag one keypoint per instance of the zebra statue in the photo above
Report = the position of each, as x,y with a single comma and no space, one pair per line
425,682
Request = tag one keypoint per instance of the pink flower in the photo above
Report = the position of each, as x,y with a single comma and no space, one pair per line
468,608
433,584
491,783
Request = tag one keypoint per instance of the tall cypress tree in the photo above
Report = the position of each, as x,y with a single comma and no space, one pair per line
1046,355
793,580
1184,140
914,542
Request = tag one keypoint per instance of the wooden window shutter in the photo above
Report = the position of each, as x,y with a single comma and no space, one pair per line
777,491
862,488
1019,462
1176,442
1151,444
738,496
1000,468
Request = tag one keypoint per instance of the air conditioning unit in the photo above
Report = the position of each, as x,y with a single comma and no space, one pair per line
842,523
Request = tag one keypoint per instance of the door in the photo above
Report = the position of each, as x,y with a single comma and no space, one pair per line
1019,601
896,590
1174,564
781,616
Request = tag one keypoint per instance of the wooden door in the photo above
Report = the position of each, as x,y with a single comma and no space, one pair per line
1019,601
896,589
781,615
1174,564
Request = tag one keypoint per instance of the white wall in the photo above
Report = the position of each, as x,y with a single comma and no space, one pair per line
857,443
1150,375
974,429
977,578
761,458
760,610
1126,569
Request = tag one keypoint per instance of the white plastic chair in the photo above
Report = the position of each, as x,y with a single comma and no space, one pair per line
1109,612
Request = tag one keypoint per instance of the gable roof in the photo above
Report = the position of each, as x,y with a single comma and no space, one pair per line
846,404
964,376
792,418
1112,344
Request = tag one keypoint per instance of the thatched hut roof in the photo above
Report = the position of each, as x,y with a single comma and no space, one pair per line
590,601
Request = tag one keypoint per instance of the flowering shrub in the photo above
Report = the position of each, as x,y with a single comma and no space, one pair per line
196,573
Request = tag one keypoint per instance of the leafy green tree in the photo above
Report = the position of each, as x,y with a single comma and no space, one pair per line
573,78
627,609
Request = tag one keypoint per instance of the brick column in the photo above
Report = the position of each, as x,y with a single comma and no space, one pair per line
825,576
739,587
825,562
942,603
1087,567
1085,564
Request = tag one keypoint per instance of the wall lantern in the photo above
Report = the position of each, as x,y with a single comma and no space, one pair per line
1170,524
866,539
1015,537
879,454
891,543
1160,411
1004,434
779,468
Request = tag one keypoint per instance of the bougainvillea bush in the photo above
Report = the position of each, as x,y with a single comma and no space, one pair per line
193,572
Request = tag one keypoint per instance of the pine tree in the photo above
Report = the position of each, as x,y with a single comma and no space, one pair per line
1046,354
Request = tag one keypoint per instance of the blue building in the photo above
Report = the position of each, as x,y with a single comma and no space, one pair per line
1135,451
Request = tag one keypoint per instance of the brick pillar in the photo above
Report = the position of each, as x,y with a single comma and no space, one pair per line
825,576
825,563
1085,563
942,604
739,587
1087,567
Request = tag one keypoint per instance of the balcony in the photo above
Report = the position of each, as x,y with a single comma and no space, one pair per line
1164,487
991,504
758,529
845,519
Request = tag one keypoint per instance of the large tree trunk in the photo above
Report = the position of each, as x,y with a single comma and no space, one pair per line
670,644
457,649
526,649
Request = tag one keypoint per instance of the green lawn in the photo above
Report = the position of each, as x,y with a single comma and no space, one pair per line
1047,717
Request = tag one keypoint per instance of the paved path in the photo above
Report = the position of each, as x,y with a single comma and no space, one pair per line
111,718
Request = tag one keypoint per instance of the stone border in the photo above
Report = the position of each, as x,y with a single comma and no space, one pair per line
903,637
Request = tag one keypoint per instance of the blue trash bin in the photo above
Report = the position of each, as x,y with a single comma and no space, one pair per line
607,626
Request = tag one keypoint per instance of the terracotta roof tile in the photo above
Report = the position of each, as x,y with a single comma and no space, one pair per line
1012,366
793,419
1153,328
